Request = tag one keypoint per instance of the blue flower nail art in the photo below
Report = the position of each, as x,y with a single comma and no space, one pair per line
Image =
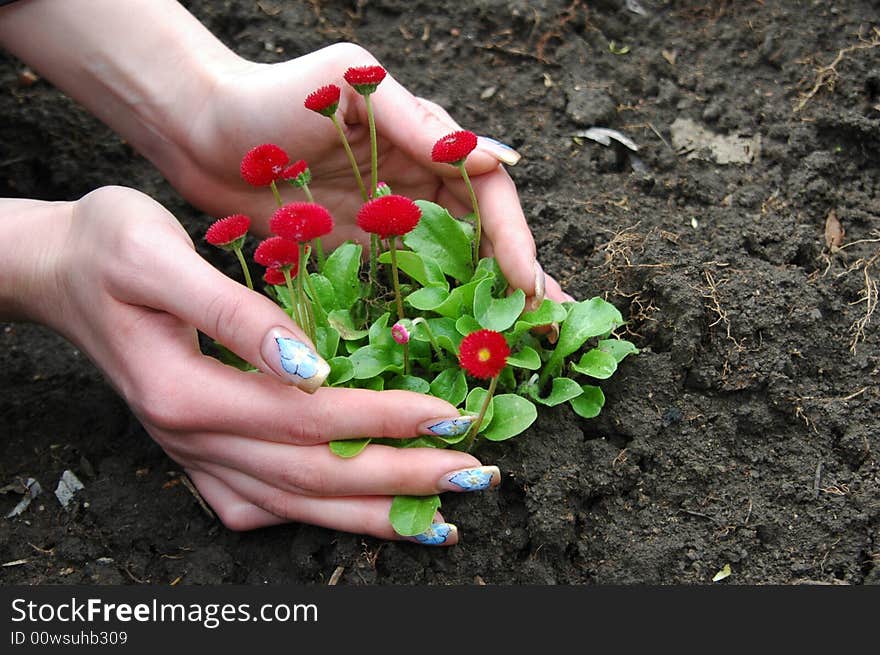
452,427
435,535
472,479
297,358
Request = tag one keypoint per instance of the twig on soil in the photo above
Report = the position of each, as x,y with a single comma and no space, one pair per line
195,492
334,577
826,76
17,562
817,478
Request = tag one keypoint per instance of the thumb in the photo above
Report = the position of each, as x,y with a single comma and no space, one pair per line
248,323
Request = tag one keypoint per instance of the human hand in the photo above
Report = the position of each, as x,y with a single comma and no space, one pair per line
251,104
123,282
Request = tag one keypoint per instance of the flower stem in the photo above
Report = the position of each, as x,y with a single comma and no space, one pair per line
244,268
303,298
308,192
374,154
421,321
316,243
395,279
276,193
294,299
351,159
475,426
477,220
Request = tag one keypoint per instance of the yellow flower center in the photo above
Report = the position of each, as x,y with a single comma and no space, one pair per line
484,354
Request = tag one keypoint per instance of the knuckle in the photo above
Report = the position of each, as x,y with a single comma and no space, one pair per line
223,314
306,477
308,430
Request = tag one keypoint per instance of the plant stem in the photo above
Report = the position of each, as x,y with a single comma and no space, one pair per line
294,299
304,299
374,155
395,279
244,267
308,192
475,426
276,193
374,265
477,221
316,243
421,321
351,159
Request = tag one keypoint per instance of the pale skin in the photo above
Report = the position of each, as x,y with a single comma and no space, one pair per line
116,274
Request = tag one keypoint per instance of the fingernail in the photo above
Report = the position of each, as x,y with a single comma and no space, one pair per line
479,478
293,360
439,534
501,151
553,334
534,302
448,427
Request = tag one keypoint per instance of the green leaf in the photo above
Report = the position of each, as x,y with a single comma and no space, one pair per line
474,403
589,403
450,385
725,572
427,298
371,361
421,268
549,312
373,384
441,237
341,371
327,342
342,269
527,358
409,383
341,321
349,447
497,313
444,332
585,319
466,324
512,415
563,389
323,289
380,333
618,348
597,364
412,515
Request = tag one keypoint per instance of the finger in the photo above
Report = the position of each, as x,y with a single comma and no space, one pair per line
316,471
235,512
254,405
183,284
360,515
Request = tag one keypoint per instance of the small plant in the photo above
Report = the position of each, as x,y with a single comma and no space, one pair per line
427,313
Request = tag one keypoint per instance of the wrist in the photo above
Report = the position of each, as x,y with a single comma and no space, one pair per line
34,232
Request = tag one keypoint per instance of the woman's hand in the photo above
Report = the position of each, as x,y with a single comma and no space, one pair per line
119,277
257,103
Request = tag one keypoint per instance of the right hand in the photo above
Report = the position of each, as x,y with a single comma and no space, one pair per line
128,288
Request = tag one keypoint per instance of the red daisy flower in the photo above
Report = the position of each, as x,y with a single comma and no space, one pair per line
389,216
263,164
483,353
365,79
324,100
275,276
228,232
454,148
301,221
277,252
296,169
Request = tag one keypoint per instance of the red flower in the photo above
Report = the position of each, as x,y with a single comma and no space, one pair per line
365,79
454,148
301,221
277,252
296,169
324,100
227,231
263,164
389,216
483,353
275,276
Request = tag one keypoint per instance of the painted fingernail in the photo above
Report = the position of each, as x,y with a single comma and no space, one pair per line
439,534
448,427
534,302
478,478
501,151
553,334
293,360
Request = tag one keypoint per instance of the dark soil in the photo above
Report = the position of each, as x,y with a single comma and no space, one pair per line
744,434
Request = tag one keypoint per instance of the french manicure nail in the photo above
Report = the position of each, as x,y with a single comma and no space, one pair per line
501,151
473,479
448,427
534,302
293,360
438,534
